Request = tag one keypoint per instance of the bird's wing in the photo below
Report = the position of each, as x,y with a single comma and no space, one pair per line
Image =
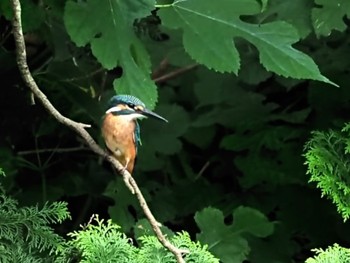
137,137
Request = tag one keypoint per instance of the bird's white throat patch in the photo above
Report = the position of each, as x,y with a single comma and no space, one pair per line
127,117
113,109
132,116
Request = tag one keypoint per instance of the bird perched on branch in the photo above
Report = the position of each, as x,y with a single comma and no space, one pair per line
121,130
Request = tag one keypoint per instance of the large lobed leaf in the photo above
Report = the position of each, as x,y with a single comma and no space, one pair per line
229,242
329,15
210,26
108,27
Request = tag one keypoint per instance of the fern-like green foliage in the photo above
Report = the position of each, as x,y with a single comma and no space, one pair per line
333,254
25,234
103,242
328,161
153,251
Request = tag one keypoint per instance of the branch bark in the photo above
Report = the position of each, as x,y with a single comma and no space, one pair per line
174,73
79,128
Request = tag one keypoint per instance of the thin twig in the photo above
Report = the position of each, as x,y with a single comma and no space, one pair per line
56,150
87,75
174,73
161,68
79,128
205,166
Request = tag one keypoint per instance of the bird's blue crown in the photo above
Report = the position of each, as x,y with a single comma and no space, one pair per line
125,99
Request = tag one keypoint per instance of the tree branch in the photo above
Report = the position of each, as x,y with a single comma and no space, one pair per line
174,73
55,150
79,128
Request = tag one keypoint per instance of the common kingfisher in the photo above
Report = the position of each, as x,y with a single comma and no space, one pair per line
120,128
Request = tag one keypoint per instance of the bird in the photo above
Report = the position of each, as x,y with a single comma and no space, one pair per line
120,129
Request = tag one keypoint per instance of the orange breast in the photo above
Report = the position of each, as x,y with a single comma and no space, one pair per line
118,134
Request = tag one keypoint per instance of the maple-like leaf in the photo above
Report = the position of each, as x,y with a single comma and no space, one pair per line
108,27
209,28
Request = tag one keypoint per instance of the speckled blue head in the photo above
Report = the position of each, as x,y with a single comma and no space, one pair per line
131,107
125,99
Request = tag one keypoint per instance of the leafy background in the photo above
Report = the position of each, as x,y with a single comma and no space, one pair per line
229,166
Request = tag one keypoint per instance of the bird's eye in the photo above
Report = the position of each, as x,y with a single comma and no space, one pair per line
131,105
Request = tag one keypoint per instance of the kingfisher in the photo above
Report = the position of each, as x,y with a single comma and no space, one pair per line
120,128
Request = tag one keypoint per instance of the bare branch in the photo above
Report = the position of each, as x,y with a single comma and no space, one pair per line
86,76
56,150
79,128
161,68
175,73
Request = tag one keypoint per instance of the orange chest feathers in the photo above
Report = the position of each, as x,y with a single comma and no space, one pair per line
119,137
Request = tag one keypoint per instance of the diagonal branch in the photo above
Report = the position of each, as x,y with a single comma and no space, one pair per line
175,73
79,128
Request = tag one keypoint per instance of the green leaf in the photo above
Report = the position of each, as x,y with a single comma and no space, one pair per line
329,15
5,9
252,221
183,197
123,199
273,167
270,137
277,248
212,88
201,137
172,50
165,138
113,42
228,242
252,72
209,27
231,103
299,18
32,15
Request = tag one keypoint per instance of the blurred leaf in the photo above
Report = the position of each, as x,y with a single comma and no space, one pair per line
164,137
228,242
184,198
299,18
32,14
201,137
170,49
270,137
5,9
277,248
212,88
328,16
252,72
293,117
252,221
147,159
277,168
234,104
124,200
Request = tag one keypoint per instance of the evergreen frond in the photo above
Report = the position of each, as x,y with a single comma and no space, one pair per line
153,251
103,242
328,164
333,254
25,232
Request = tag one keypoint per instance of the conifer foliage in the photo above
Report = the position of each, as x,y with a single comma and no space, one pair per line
257,97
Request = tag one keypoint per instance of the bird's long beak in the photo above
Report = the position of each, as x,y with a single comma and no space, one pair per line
152,114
